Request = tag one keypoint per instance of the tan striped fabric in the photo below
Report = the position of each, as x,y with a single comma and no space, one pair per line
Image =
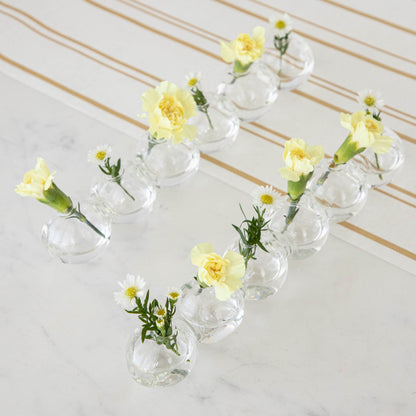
101,55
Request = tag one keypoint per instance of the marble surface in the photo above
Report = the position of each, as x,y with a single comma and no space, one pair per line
338,339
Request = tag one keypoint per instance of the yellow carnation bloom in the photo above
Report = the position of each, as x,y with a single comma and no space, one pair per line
169,108
244,49
299,159
36,181
223,273
366,131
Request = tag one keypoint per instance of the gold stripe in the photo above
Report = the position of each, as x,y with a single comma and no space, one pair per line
335,32
379,240
75,50
400,189
158,32
395,197
322,42
369,16
251,178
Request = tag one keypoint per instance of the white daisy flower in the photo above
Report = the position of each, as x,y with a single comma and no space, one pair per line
160,312
281,24
131,288
267,197
193,79
174,294
99,154
370,100
160,323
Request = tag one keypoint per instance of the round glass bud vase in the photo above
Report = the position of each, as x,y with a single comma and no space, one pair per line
252,92
218,124
295,66
165,163
267,273
128,197
153,365
379,169
75,240
308,230
211,319
340,189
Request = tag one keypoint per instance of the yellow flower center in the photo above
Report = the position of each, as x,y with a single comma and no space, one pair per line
280,24
299,154
174,295
266,199
215,266
245,43
101,155
130,292
161,313
172,109
192,82
369,101
371,125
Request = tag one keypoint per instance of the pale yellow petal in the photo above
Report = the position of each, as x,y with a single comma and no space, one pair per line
236,268
150,99
190,131
258,33
222,292
42,169
346,121
199,252
289,175
382,144
362,136
233,283
227,53
316,153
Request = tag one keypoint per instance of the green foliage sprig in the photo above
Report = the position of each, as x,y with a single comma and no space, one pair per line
157,328
114,172
201,102
250,232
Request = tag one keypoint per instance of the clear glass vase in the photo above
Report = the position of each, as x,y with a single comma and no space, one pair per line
211,319
267,272
153,365
128,197
75,240
301,227
379,169
218,125
164,163
340,189
295,66
252,92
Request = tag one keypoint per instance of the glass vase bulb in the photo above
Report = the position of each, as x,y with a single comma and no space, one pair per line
218,126
211,319
153,365
128,197
164,163
253,92
341,189
307,233
380,169
295,66
73,241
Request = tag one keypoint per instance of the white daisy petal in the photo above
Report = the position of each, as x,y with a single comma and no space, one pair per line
193,79
281,24
99,154
265,197
132,287
371,100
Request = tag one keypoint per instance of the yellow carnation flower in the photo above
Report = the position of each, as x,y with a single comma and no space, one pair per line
365,131
245,49
223,273
299,159
169,108
36,181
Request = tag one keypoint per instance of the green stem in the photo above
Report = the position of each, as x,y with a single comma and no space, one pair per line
209,120
76,213
125,190
324,177
378,166
291,214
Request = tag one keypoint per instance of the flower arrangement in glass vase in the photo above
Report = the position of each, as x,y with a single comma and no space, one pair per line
295,61
166,155
264,255
73,236
302,223
216,118
379,168
162,351
212,303
340,185
127,195
253,86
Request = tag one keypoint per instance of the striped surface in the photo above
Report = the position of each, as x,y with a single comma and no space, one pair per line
101,55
